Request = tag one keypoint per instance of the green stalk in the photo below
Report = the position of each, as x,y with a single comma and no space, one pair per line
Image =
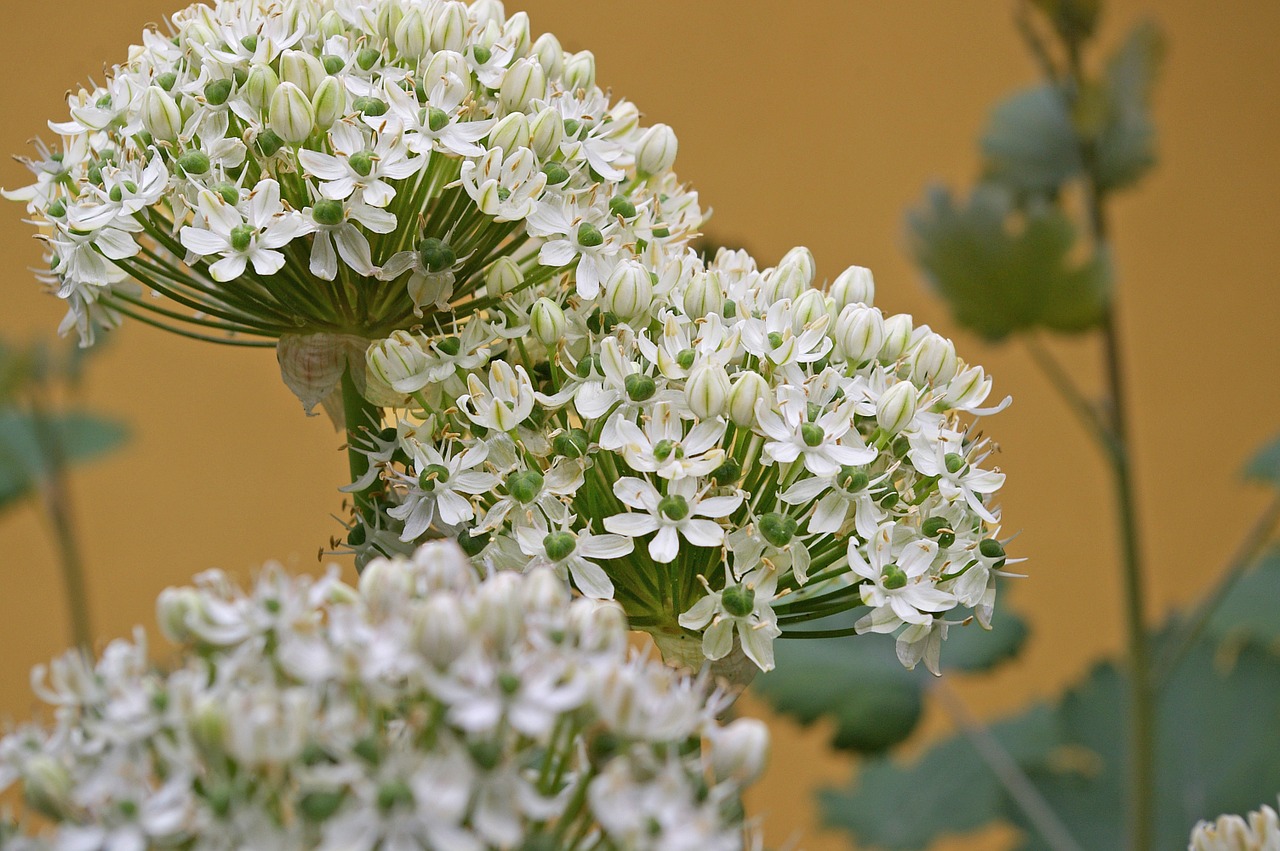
360,415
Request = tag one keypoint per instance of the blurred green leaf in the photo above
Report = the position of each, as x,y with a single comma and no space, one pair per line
23,462
1265,465
949,790
1030,144
1002,271
1218,751
874,702
1248,612
1126,144
971,648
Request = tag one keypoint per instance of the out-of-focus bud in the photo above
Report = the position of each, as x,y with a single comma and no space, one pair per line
510,133
413,35
443,566
748,388
47,785
579,70
439,629
546,132
629,290
707,390
207,722
550,55
704,295
787,281
331,24
854,285
449,29
656,150
809,307
503,276
485,12
330,102
174,607
547,322
260,86
302,69
860,332
524,81
384,584
291,115
934,360
897,407
389,17
739,750
897,337
498,610
160,114
400,361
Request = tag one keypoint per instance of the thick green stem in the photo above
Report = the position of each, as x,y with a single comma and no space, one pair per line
360,416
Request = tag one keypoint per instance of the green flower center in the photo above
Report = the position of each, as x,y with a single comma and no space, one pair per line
893,577
241,237
674,507
738,600
777,529
559,545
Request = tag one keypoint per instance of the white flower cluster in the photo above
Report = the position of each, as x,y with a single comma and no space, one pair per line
722,449
425,710
1232,833
283,167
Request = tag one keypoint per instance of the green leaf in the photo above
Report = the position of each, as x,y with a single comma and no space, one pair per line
972,648
1265,465
857,682
1003,271
1126,144
1248,612
1030,144
949,790
22,460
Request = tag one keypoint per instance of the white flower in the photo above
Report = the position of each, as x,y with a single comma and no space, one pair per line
662,446
574,555
356,165
252,237
683,512
792,436
1232,833
335,224
900,588
505,403
748,607
505,187
438,488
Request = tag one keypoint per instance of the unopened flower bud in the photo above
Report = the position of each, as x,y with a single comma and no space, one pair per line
802,257
160,114
550,55
511,132
897,337
787,281
291,115
854,285
656,150
629,290
739,750
934,360
524,81
384,583
446,64
897,407
400,362
707,390
809,308
47,785
515,32
330,102
624,120
302,69
260,86
748,388
579,71
546,132
173,608
704,296
413,36
860,332
547,322
207,723
440,630
449,29
331,24
503,276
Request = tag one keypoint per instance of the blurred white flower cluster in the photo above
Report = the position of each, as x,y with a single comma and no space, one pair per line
285,167
1232,833
424,710
726,451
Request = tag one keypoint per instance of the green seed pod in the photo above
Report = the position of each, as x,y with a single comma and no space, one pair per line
328,213
436,254
777,529
525,486
738,600
589,235
194,162
640,388
559,545
674,507
727,473
893,577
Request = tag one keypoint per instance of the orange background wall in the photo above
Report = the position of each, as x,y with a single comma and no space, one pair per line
801,123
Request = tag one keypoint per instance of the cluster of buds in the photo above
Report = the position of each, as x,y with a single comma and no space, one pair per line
424,709
1232,833
728,452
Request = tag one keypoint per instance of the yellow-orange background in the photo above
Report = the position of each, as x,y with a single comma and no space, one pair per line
800,123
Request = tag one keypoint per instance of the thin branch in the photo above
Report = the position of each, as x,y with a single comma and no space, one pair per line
1079,404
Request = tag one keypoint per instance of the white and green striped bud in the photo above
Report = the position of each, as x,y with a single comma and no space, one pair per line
897,337
550,55
260,86
546,132
786,281
934,360
291,115
516,32
331,24
510,133
802,257
389,17
704,296
896,407
624,120
449,29
503,277
447,63
748,389
579,71
160,114
707,390
524,81
547,322
439,629
303,70
400,361
809,308
628,292
854,285
413,35
330,102
47,785
656,150
860,332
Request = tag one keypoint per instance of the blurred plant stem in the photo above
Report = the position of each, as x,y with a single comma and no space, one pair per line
359,415
57,504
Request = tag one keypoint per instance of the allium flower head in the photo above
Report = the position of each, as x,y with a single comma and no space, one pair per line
424,709
1261,832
